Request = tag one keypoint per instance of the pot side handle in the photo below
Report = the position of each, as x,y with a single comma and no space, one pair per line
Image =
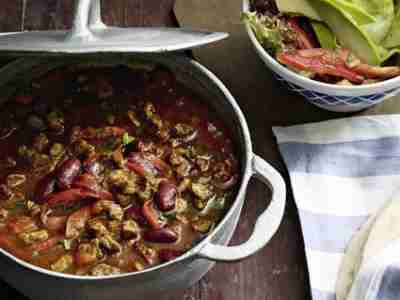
266,225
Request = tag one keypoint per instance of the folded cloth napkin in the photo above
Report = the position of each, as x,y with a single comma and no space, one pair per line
341,171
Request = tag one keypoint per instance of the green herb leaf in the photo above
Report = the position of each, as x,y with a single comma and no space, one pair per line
127,139
170,215
67,244
215,203
269,31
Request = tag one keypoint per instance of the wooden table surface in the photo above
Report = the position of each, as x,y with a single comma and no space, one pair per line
279,271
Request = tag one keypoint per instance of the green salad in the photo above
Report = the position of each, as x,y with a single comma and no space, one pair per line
347,42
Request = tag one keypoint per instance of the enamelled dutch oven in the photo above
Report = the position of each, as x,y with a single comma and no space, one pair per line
42,51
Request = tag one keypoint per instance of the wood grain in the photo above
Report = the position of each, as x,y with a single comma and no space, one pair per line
138,13
10,15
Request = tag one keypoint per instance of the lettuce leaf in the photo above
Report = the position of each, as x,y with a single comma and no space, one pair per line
370,28
393,38
268,32
298,7
347,30
383,11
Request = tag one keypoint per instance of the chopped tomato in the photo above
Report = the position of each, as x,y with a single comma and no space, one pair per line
304,39
73,195
322,62
377,72
152,216
148,164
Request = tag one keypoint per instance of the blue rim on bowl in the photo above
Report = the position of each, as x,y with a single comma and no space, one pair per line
327,96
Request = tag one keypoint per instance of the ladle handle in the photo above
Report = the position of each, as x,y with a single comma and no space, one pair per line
87,16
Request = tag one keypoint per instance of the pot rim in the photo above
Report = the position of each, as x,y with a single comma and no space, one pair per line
247,173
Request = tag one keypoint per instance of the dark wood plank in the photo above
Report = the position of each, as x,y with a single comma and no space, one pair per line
10,19
138,13
279,271
51,14
10,15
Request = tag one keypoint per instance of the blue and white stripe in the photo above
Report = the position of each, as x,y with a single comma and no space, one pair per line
341,171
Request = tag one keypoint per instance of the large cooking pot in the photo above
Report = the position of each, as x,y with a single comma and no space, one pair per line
161,281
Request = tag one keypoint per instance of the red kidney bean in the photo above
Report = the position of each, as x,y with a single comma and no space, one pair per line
135,212
44,188
166,196
163,235
67,173
152,215
169,254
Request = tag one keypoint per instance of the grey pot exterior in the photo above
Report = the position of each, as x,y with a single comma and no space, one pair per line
163,281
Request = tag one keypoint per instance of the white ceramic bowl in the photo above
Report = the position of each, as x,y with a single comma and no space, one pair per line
327,96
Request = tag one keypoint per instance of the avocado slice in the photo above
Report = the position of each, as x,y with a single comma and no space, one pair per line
348,31
324,35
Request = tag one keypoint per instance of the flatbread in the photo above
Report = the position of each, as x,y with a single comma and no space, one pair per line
380,229
385,230
352,259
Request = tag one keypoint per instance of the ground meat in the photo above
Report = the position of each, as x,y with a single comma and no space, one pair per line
104,270
34,236
114,210
63,263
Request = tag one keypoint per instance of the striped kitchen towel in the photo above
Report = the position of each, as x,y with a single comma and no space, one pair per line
341,171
